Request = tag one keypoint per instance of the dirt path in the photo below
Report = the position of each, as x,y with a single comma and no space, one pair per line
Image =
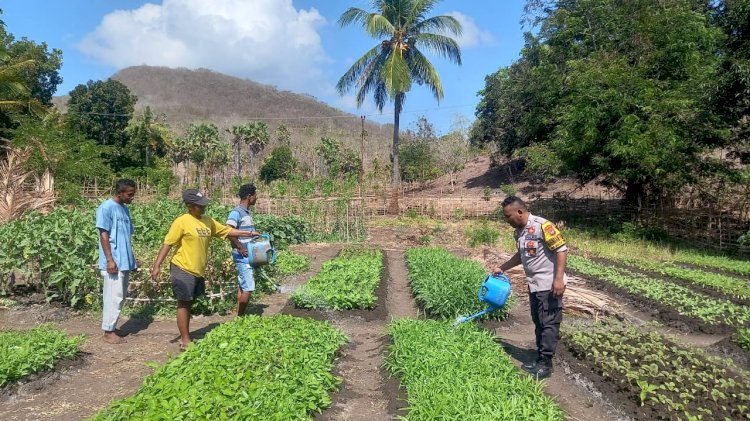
108,372
366,392
105,372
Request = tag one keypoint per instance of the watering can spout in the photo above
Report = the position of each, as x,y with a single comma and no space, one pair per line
494,291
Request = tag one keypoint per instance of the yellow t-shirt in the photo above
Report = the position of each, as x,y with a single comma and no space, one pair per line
192,236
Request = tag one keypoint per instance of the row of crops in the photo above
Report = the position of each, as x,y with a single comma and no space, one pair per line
55,254
346,282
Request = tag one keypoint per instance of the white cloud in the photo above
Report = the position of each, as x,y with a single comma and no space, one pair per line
472,35
267,41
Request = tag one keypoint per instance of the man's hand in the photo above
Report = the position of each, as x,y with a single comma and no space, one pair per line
111,267
497,270
155,271
242,251
558,288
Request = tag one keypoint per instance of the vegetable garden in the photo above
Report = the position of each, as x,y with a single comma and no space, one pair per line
283,367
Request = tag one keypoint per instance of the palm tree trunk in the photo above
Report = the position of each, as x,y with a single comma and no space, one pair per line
393,208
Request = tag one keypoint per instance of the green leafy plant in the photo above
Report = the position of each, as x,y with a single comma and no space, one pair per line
34,350
276,367
344,283
743,338
289,262
508,189
487,193
462,374
482,234
675,380
446,286
684,300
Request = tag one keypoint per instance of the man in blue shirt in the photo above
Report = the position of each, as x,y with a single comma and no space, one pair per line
116,257
242,219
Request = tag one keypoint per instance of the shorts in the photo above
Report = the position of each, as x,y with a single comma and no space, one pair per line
185,285
245,274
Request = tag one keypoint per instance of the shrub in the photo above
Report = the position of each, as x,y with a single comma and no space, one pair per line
279,165
482,234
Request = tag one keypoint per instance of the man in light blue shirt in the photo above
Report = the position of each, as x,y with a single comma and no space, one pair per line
116,257
242,219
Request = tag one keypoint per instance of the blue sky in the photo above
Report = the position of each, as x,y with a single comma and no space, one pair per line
295,45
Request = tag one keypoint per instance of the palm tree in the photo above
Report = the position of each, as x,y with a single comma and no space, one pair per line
388,70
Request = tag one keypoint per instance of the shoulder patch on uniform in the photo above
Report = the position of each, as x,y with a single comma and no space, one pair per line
552,236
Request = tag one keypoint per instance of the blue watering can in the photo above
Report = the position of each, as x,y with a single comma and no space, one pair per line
494,291
260,251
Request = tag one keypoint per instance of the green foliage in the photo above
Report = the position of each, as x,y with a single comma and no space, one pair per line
541,162
344,283
673,380
731,286
71,157
149,138
417,161
446,286
34,350
279,165
291,263
508,189
620,93
487,193
744,239
56,251
483,233
101,111
683,300
285,230
339,159
387,71
462,374
276,367
743,338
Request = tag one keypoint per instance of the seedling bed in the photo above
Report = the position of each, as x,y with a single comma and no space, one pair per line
379,312
651,377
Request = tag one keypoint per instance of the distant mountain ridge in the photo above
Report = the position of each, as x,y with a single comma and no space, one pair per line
192,96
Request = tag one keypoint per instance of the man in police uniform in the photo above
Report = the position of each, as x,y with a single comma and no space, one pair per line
543,253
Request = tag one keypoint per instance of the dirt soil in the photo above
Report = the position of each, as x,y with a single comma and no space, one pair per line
478,175
78,389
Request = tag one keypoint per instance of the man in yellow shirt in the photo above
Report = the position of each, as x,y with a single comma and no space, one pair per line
191,234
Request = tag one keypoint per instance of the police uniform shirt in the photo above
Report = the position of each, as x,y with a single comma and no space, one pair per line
538,243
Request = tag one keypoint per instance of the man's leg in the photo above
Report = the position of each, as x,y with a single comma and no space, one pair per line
113,295
183,321
550,316
534,307
246,281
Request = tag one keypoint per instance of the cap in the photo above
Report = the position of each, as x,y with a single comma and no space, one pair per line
194,197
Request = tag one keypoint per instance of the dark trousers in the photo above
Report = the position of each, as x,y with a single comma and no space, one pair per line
546,312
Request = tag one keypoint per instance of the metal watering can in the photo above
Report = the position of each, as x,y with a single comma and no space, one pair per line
260,251
494,291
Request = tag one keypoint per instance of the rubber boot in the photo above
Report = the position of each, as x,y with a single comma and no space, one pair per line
531,365
543,368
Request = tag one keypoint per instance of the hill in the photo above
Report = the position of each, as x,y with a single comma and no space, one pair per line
187,96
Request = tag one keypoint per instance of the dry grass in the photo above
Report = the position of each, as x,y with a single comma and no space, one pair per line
20,189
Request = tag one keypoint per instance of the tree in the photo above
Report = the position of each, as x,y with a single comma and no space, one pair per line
101,110
203,139
451,153
339,159
417,161
279,165
388,70
149,136
257,138
621,93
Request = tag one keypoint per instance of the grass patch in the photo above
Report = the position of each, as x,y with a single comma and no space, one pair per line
462,374
270,368
27,352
